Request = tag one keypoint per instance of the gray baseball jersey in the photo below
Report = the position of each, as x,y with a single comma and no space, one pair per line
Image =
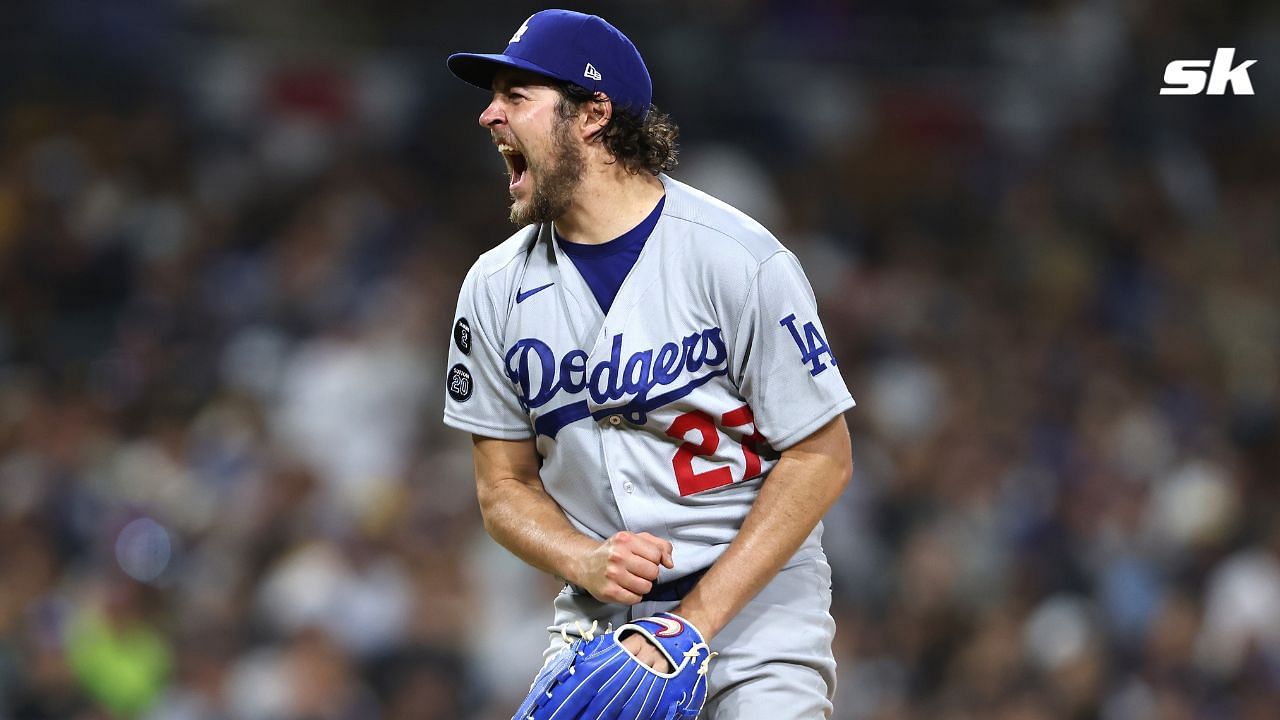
666,414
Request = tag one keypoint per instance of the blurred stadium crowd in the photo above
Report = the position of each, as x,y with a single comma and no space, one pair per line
231,237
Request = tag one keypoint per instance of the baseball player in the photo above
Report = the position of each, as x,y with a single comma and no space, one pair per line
656,412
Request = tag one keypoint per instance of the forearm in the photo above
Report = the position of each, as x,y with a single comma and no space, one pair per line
520,514
794,497
524,519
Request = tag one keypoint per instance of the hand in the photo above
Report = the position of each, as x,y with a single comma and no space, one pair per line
624,567
646,652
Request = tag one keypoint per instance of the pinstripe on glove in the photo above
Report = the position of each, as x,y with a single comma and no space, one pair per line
596,678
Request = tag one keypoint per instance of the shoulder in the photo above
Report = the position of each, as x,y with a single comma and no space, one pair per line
716,229
497,266
488,290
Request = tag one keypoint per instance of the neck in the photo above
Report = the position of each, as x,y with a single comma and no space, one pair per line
609,202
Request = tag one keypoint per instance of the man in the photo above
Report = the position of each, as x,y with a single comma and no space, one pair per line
657,415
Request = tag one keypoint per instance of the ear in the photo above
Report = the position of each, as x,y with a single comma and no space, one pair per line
596,114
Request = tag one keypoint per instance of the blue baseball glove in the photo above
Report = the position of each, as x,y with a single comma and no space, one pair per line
595,678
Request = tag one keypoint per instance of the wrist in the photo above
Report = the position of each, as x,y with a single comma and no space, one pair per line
707,624
573,568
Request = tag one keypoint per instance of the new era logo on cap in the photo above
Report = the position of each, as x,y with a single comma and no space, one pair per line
565,45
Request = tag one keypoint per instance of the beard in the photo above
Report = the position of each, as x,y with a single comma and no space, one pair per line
557,180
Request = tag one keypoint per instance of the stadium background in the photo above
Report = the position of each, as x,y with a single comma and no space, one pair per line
231,235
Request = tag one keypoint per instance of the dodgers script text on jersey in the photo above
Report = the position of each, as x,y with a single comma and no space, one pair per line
641,414
613,379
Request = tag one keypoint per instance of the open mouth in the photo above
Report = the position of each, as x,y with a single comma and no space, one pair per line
517,166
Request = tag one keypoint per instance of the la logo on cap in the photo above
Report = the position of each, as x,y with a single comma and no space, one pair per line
520,33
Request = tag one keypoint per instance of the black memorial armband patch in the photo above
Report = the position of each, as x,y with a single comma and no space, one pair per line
462,335
459,383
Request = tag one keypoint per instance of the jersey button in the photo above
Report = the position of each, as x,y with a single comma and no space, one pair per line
628,487
615,421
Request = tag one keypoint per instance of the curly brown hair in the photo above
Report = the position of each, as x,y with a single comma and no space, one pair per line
648,144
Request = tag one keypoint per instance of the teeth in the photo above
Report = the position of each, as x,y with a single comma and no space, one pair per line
507,149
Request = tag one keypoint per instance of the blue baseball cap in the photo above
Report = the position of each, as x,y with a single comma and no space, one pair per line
570,47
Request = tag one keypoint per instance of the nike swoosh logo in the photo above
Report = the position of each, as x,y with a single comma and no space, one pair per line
522,296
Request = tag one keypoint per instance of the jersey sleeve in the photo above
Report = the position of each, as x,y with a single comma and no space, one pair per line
478,396
782,362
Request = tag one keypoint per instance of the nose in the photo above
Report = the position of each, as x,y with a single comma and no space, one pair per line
492,115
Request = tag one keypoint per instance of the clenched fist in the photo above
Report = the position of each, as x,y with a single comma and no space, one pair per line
624,567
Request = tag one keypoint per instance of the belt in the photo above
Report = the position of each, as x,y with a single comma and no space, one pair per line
670,591
673,590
